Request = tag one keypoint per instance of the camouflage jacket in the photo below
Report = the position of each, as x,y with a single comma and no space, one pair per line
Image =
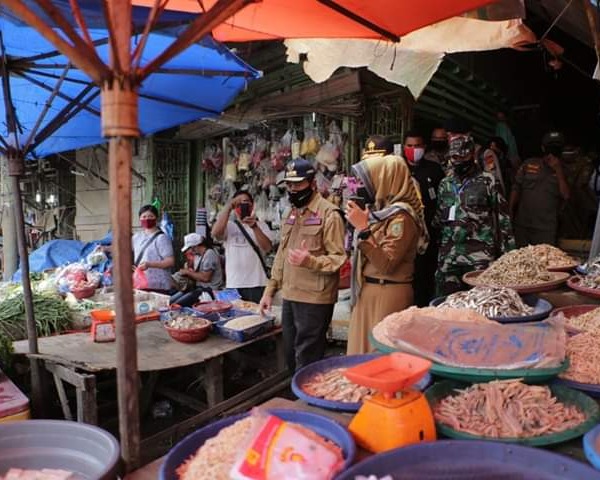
473,219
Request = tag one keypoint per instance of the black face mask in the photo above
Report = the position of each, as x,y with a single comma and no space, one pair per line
462,168
439,145
301,198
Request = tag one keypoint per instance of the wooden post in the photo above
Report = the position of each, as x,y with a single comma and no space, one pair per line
16,168
120,125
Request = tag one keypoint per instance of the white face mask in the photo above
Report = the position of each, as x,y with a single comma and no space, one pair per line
419,152
413,154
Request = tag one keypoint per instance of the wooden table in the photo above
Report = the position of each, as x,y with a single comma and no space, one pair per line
75,359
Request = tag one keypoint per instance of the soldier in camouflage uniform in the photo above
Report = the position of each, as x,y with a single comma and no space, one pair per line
473,218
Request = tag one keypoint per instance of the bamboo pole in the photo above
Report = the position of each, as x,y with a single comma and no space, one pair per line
120,125
16,167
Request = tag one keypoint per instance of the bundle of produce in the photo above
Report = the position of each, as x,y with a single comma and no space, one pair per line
383,331
52,315
550,256
490,301
333,385
489,345
516,268
584,359
587,322
507,409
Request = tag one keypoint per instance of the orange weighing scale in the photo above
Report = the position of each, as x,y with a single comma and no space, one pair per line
396,415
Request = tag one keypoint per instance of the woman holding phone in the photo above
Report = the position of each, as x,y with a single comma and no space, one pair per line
389,233
247,240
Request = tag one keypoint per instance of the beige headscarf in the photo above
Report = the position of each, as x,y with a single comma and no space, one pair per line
389,182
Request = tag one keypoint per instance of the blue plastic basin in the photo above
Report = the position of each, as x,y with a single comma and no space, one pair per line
324,426
592,453
462,459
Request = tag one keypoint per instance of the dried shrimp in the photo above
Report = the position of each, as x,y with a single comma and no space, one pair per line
507,409
584,359
587,322
549,256
333,385
490,301
516,268
591,280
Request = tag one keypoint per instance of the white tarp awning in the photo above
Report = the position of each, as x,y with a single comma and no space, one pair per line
414,60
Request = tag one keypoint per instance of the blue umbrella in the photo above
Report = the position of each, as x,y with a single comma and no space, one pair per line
50,106
57,107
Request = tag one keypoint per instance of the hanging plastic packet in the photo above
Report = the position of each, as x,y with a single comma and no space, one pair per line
279,450
167,226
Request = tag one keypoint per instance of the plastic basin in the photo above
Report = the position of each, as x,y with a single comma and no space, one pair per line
591,446
86,450
471,460
322,425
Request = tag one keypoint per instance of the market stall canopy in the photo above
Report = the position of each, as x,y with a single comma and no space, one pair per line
57,106
413,61
277,19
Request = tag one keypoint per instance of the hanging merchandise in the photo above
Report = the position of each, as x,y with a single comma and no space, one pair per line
259,150
212,157
243,164
156,203
167,226
281,151
261,207
310,144
230,166
295,147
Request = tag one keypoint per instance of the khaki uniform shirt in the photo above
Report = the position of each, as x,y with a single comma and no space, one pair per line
394,256
320,225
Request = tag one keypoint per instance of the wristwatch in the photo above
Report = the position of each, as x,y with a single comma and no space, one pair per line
364,234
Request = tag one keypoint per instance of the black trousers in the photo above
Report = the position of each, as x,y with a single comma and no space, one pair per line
251,294
424,275
188,299
305,328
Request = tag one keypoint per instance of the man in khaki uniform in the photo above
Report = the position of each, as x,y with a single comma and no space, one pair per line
306,267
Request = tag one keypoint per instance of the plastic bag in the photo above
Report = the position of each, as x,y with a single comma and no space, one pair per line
140,280
482,345
97,256
167,226
279,450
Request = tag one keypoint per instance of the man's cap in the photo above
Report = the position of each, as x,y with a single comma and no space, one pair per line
461,146
298,170
553,139
192,240
377,145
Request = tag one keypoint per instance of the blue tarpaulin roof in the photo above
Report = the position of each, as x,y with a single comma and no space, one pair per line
199,83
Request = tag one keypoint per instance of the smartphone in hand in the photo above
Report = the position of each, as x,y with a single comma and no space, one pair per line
245,210
360,201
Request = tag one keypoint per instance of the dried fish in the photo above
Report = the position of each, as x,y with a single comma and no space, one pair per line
516,268
507,409
333,385
550,256
490,301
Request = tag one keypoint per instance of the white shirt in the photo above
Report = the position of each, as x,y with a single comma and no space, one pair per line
242,265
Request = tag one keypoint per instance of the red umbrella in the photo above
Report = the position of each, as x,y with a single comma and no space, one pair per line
273,19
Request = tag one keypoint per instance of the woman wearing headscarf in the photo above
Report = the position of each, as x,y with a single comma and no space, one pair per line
388,235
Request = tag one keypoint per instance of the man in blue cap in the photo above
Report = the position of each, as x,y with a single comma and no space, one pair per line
306,267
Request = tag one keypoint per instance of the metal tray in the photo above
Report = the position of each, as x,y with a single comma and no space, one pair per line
478,375
474,460
324,426
330,363
542,309
558,279
441,390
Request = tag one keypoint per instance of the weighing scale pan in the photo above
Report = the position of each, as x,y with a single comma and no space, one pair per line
587,405
342,361
478,375
474,460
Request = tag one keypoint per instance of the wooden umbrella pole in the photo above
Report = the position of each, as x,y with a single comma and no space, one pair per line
16,167
120,125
